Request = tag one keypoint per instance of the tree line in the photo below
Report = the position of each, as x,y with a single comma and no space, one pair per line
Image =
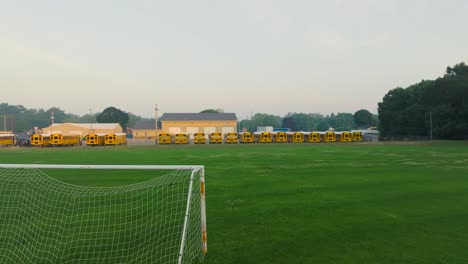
361,119
20,119
437,108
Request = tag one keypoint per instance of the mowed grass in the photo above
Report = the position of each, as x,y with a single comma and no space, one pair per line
309,203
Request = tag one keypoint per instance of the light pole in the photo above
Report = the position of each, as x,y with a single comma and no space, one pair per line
90,121
52,122
156,125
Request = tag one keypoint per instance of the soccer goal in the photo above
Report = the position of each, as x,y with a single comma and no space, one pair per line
45,220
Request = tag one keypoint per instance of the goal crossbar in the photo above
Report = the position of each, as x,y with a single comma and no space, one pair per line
102,167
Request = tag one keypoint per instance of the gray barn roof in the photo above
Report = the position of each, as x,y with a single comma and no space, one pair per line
144,125
199,117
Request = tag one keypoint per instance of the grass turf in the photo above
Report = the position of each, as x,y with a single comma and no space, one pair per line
310,203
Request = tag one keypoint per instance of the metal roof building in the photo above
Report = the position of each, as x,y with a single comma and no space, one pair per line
82,129
199,117
191,123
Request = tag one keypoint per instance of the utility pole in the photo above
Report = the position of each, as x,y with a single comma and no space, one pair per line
52,122
156,125
4,123
91,122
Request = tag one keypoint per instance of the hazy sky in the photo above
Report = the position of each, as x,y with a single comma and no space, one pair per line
243,56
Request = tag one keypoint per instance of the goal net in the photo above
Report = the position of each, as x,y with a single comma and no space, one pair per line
44,220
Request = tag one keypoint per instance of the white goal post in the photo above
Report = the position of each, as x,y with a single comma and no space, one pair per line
45,220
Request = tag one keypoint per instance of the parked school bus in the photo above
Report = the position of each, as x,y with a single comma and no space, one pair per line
59,140
345,136
264,137
315,137
115,139
40,140
164,138
216,138
329,136
297,137
71,140
247,137
95,139
181,138
231,137
199,138
56,139
7,139
280,137
357,136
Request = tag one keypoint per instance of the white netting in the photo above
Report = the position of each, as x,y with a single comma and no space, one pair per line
43,220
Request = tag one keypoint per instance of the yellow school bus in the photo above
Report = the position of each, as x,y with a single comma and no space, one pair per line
298,137
265,137
95,139
247,137
164,138
329,136
216,138
71,140
280,137
199,138
231,138
181,138
115,139
40,140
315,137
345,136
7,139
357,136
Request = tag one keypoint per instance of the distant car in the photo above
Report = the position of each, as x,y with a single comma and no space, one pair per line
23,142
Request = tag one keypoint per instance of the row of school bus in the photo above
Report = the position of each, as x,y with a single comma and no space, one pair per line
261,137
98,139
114,139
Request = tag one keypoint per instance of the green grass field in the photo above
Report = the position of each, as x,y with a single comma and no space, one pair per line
310,203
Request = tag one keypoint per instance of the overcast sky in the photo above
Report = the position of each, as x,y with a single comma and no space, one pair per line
243,56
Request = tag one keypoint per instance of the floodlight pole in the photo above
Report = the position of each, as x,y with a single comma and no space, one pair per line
52,121
156,125
91,122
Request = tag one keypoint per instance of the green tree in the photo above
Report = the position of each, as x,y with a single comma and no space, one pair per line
406,112
211,111
289,122
260,119
87,118
113,115
344,122
363,119
59,115
305,121
132,119
247,124
322,126
331,120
